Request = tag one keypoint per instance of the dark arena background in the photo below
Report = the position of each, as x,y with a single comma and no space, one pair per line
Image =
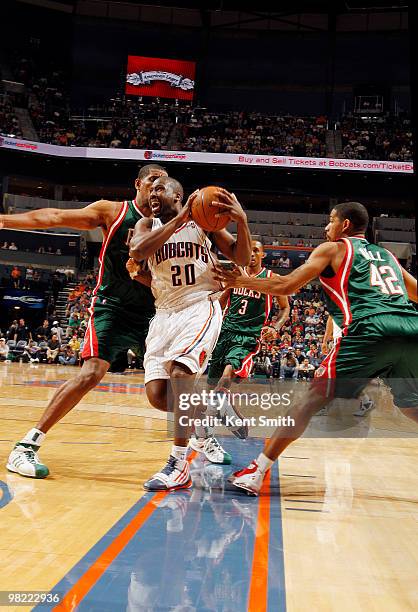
294,107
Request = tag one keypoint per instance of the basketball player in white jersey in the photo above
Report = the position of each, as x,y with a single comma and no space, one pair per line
188,316
333,332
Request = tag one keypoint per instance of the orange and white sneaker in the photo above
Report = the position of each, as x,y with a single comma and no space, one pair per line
174,475
250,479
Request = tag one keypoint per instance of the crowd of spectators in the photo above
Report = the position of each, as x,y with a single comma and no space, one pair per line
51,342
295,354
131,123
47,97
383,138
299,349
9,122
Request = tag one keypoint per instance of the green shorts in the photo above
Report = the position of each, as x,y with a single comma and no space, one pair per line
112,330
384,346
233,349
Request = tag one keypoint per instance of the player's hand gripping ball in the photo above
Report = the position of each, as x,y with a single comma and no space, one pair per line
210,208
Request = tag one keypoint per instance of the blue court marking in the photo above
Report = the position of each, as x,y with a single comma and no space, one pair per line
92,555
6,496
194,552
276,588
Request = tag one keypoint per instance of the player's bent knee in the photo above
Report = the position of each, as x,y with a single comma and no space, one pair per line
88,380
157,395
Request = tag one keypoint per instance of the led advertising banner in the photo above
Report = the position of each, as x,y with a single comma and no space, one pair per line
157,77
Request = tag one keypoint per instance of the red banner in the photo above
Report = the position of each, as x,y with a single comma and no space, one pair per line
163,78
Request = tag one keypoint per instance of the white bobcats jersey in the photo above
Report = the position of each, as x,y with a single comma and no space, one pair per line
182,269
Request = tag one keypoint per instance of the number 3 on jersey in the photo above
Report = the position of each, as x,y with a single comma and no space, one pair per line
388,285
189,276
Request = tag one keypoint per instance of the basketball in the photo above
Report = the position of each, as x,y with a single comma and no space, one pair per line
204,213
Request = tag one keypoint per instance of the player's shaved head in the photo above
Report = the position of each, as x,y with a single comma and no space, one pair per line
175,185
149,169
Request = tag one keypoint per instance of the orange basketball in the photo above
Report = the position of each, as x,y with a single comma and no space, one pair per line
203,212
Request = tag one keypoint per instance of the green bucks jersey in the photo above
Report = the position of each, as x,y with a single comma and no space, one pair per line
114,285
248,310
369,282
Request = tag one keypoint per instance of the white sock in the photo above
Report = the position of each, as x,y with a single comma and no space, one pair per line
34,436
365,398
264,463
179,452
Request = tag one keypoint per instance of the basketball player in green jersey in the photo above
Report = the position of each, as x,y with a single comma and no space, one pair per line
120,309
369,296
243,327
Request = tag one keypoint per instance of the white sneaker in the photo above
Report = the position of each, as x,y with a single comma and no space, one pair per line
231,417
365,407
250,479
175,475
212,450
24,460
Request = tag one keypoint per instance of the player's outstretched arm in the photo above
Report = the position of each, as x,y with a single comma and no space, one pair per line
410,284
98,214
322,257
237,250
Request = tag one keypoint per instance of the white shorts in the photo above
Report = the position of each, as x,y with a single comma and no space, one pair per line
187,336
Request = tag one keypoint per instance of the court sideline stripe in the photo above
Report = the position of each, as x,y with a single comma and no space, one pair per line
257,599
129,526
77,593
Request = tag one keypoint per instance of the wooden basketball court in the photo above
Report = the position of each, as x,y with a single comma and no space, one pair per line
336,527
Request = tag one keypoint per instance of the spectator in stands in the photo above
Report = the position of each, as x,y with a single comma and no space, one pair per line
73,323
314,356
22,332
12,330
74,344
29,276
84,322
57,330
53,349
288,366
299,355
13,247
5,245
284,261
262,364
4,349
16,275
305,370
31,352
68,358
42,333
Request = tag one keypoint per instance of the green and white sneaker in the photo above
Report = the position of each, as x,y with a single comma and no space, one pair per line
24,460
212,450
